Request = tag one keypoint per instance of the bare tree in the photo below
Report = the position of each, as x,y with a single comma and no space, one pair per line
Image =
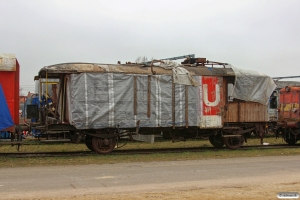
138,60
141,59
144,59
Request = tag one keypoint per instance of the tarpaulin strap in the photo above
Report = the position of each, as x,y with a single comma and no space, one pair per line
149,96
158,100
186,106
111,104
173,103
135,95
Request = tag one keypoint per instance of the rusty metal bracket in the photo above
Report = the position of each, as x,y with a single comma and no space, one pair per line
137,127
172,136
154,61
236,130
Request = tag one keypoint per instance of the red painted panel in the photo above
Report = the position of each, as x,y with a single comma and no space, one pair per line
10,85
289,103
211,104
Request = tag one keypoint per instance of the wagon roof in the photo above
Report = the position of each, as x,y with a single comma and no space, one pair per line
282,84
7,62
249,85
71,68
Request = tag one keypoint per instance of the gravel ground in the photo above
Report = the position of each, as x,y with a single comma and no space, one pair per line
232,178
265,191
251,192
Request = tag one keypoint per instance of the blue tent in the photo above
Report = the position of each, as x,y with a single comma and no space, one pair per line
5,117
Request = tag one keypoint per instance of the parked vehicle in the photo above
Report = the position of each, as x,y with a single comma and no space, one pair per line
9,95
100,103
289,115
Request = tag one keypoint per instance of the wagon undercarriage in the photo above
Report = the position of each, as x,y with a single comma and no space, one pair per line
104,140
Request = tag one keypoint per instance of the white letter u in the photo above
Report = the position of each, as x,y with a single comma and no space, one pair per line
205,94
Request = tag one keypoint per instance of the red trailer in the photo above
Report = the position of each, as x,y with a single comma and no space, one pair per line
9,80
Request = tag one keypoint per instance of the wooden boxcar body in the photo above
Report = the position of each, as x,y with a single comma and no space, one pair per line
99,103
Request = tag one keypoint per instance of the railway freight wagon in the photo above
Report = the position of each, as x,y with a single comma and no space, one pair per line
100,103
289,114
9,94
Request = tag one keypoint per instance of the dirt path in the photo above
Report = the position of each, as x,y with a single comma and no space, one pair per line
267,191
234,178
252,192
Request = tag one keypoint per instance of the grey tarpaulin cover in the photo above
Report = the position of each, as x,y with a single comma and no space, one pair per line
180,75
99,100
252,86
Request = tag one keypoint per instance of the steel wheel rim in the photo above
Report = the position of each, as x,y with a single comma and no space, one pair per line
103,146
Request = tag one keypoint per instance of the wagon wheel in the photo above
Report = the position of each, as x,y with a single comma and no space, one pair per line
234,142
290,138
88,142
103,146
216,140
290,141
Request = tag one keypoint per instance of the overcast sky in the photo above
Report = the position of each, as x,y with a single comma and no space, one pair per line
262,35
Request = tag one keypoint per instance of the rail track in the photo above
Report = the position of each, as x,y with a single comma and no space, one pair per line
142,151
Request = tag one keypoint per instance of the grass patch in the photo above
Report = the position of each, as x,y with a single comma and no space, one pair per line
112,159
69,147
